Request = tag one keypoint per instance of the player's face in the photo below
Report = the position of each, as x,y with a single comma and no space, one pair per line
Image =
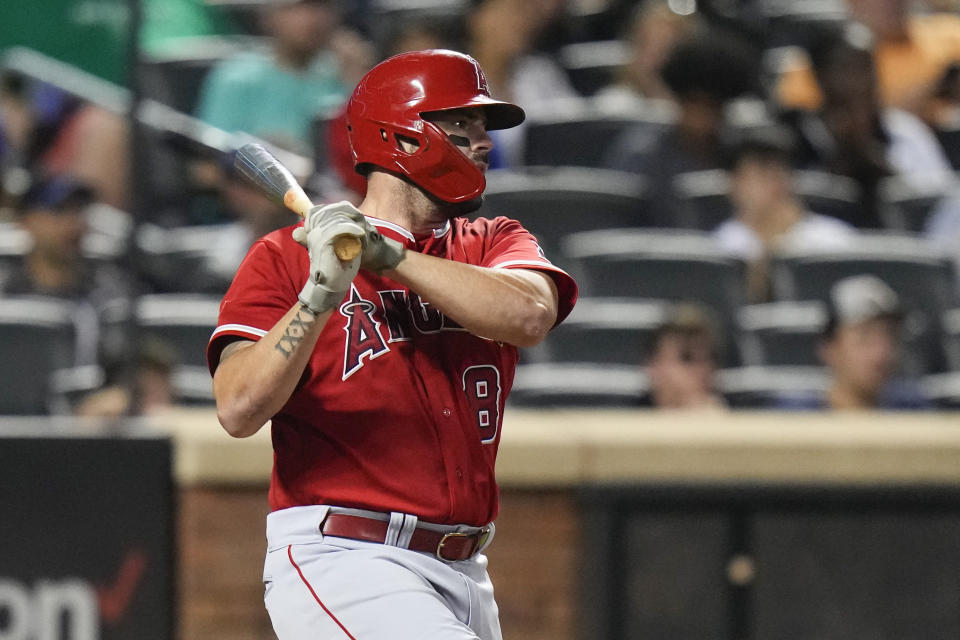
467,129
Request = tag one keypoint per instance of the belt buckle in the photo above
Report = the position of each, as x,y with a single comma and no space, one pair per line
480,537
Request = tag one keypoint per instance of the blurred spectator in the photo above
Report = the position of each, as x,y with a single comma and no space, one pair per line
276,94
44,129
914,52
148,391
705,72
415,35
502,35
860,347
31,112
682,362
18,123
52,211
93,146
767,213
355,55
255,216
853,135
652,34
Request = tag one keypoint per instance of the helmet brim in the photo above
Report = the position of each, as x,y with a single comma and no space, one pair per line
500,115
503,115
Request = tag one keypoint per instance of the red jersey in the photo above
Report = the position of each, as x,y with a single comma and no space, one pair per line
399,408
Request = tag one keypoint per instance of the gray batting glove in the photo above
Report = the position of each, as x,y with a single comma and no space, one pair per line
320,212
380,253
329,276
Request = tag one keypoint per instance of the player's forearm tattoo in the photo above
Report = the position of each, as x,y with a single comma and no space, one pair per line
294,332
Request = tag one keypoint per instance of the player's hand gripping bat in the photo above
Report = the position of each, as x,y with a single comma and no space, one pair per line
261,168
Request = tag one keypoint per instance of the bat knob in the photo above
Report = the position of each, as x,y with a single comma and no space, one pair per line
347,247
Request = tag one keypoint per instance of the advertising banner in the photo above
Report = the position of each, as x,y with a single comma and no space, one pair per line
86,538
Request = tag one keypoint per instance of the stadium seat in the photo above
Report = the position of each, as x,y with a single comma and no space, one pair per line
951,338
703,197
183,323
174,260
829,194
607,330
37,339
662,264
923,279
593,65
761,387
949,138
781,333
552,202
580,132
943,389
14,243
905,207
577,385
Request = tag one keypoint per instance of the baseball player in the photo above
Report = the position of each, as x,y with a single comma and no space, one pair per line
385,377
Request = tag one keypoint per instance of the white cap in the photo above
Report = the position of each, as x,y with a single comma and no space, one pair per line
857,299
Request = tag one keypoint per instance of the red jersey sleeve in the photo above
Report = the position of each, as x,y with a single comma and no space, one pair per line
263,290
513,247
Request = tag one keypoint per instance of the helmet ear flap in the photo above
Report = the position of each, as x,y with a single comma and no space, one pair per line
452,176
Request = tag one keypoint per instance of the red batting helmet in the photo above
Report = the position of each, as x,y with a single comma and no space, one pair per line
389,103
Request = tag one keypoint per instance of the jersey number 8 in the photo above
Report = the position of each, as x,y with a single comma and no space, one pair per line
481,384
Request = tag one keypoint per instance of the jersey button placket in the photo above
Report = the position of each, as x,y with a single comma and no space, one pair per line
446,412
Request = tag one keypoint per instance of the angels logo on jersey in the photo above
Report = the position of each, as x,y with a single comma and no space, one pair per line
403,312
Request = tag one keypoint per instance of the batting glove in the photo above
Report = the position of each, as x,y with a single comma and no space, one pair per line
329,276
380,253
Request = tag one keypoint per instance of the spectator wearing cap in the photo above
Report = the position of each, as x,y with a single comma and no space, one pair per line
53,213
767,214
860,347
705,72
682,361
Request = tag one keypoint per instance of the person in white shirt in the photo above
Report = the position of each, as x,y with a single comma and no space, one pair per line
768,215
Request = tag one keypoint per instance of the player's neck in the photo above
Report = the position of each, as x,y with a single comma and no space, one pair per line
395,201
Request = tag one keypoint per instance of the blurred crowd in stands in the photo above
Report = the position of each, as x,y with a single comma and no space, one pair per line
760,199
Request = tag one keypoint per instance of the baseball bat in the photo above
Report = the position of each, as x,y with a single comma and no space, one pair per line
263,170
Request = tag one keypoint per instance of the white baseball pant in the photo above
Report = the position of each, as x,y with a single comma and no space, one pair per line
320,586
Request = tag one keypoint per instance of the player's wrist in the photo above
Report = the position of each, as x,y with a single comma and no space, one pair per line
382,253
306,309
319,299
